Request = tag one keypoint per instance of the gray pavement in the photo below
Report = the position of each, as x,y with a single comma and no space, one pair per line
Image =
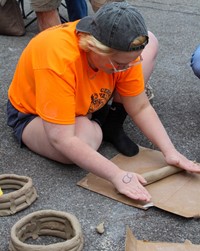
176,24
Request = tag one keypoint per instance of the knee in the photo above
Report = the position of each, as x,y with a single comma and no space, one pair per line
89,132
45,6
195,62
150,52
98,137
149,55
153,45
97,4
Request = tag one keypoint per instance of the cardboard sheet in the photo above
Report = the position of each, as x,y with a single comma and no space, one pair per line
178,193
132,244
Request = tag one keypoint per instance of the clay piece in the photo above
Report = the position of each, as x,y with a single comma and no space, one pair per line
160,174
24,193
47,223
100,228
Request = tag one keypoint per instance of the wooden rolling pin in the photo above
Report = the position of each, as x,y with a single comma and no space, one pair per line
160,173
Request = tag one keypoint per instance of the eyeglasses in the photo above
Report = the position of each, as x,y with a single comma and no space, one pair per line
123,67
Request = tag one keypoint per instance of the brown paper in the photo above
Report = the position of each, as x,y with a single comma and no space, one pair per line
178,193
132,244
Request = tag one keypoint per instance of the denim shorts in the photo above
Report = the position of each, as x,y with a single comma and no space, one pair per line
195,61
18,120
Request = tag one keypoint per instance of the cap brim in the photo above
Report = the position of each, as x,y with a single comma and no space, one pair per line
84,25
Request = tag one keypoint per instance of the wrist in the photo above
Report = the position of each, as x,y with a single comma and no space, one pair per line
169,151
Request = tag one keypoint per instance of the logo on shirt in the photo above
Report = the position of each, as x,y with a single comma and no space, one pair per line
98,100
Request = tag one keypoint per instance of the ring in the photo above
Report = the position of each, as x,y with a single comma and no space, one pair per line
51,223
24,193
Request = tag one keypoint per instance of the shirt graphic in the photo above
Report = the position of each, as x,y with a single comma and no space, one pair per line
98,100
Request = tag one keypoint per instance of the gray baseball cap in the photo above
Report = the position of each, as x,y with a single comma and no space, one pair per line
116,25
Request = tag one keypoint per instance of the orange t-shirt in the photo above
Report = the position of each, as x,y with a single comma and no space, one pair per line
53,79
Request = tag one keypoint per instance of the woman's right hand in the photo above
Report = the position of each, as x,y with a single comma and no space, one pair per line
131,185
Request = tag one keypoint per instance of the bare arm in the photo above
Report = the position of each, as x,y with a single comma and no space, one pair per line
148,121
63,139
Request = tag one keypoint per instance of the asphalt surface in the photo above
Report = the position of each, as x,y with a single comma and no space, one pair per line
176,24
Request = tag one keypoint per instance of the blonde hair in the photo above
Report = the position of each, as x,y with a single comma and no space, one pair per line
138,41
86,39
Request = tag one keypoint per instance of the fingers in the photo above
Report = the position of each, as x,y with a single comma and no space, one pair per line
181,161
190,166
193,167
138,192
135,195
141,179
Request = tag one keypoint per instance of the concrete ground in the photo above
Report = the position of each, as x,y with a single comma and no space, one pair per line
176,25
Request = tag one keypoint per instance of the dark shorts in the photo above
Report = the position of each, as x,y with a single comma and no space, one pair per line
18,120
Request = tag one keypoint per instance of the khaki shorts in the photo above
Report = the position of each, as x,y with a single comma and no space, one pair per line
44,5
96,4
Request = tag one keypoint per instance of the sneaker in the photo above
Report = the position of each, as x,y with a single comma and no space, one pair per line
149,91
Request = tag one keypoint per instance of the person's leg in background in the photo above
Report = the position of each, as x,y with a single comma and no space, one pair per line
149,55
46,12
76,9
96,4
195,61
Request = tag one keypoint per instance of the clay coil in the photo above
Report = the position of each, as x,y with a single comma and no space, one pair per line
24,193
160,173
51,223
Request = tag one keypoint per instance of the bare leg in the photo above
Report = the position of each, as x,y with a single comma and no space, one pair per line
96,4
149,55
47,19
35,138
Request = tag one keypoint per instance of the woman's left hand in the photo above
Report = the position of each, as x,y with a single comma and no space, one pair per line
179,160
